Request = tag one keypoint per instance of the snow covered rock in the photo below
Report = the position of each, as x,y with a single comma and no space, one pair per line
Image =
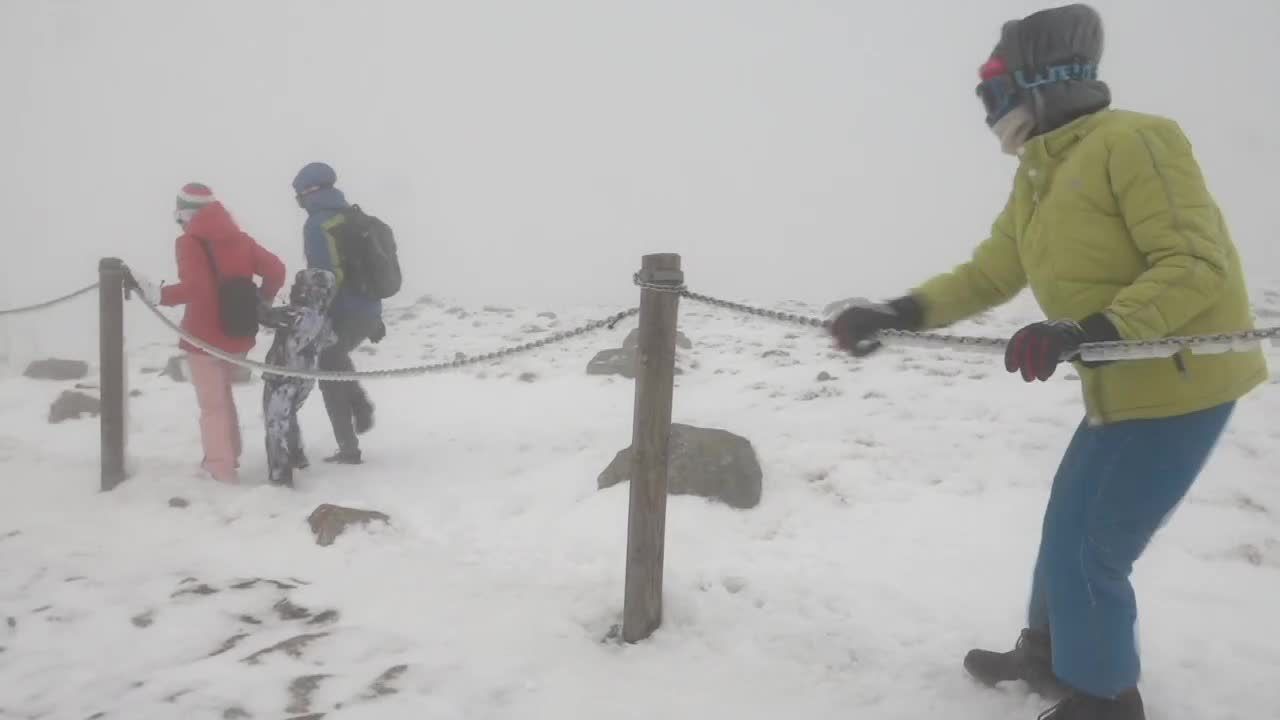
56,369
330,521
71,404
705,462
617,361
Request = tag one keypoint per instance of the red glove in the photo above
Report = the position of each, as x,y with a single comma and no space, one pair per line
1037,349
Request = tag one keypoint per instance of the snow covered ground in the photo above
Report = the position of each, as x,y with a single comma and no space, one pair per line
902,503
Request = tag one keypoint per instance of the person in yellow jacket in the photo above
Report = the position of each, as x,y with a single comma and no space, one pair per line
1112,226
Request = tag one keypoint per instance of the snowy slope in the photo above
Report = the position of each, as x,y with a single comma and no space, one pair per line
901,510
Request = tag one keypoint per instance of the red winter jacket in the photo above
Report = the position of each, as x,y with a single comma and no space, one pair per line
237,255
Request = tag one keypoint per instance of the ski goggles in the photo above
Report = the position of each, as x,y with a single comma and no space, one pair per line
1001,90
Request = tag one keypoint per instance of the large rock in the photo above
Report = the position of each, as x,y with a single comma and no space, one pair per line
71,405
57,369
705,462
330,521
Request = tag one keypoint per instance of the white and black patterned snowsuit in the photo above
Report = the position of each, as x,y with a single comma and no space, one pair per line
303,331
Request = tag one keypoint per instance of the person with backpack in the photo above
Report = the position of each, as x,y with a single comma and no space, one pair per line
1111,224
359,250
217,262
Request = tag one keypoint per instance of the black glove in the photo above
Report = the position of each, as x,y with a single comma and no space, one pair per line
1037,349
855,328
378,333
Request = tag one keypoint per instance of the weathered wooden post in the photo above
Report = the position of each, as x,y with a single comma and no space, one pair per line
111,381
651,433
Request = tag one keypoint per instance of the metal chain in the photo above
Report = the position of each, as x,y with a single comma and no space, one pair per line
414,371
1101,351
50,303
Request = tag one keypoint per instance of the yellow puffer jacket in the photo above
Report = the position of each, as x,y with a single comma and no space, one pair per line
1111,214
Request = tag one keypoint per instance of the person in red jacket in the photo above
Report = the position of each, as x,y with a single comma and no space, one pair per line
206,223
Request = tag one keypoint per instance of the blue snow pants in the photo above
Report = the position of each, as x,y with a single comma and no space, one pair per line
1116,486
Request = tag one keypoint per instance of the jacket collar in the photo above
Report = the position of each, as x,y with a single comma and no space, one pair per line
1055,144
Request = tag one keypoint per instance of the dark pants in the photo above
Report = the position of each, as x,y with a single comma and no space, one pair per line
343,399
1115,488
281,400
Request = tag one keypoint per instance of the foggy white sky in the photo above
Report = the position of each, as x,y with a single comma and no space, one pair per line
530,152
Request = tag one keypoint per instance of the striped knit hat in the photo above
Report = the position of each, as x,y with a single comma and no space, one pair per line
194,196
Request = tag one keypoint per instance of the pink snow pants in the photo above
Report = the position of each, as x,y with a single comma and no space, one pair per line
219,422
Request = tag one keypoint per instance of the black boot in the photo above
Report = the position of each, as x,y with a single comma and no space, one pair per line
345,457
1031,661
1128,706
299,460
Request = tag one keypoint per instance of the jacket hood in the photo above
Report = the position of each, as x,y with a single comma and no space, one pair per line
1058,36
213,223
314,288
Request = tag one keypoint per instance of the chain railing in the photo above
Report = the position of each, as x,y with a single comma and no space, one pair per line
1100,351
412,371
49,303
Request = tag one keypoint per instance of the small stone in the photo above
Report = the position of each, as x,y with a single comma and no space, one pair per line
71,405
548,316
135,393
56,369
324,618
825,376
201,589
288,611
176,369
330,521
177,502
229,644
528,377
300,692
144,620
381,686
293,647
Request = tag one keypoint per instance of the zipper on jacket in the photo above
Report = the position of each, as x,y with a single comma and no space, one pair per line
1180,365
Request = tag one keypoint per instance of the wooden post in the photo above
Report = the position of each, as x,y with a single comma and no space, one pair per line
651,434
111,380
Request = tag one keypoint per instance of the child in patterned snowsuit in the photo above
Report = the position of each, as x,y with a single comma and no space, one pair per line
303,331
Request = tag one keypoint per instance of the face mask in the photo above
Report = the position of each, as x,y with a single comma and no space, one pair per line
1014,128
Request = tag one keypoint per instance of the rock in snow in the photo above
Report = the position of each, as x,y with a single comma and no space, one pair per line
71,405
330,521
56,369
705,462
